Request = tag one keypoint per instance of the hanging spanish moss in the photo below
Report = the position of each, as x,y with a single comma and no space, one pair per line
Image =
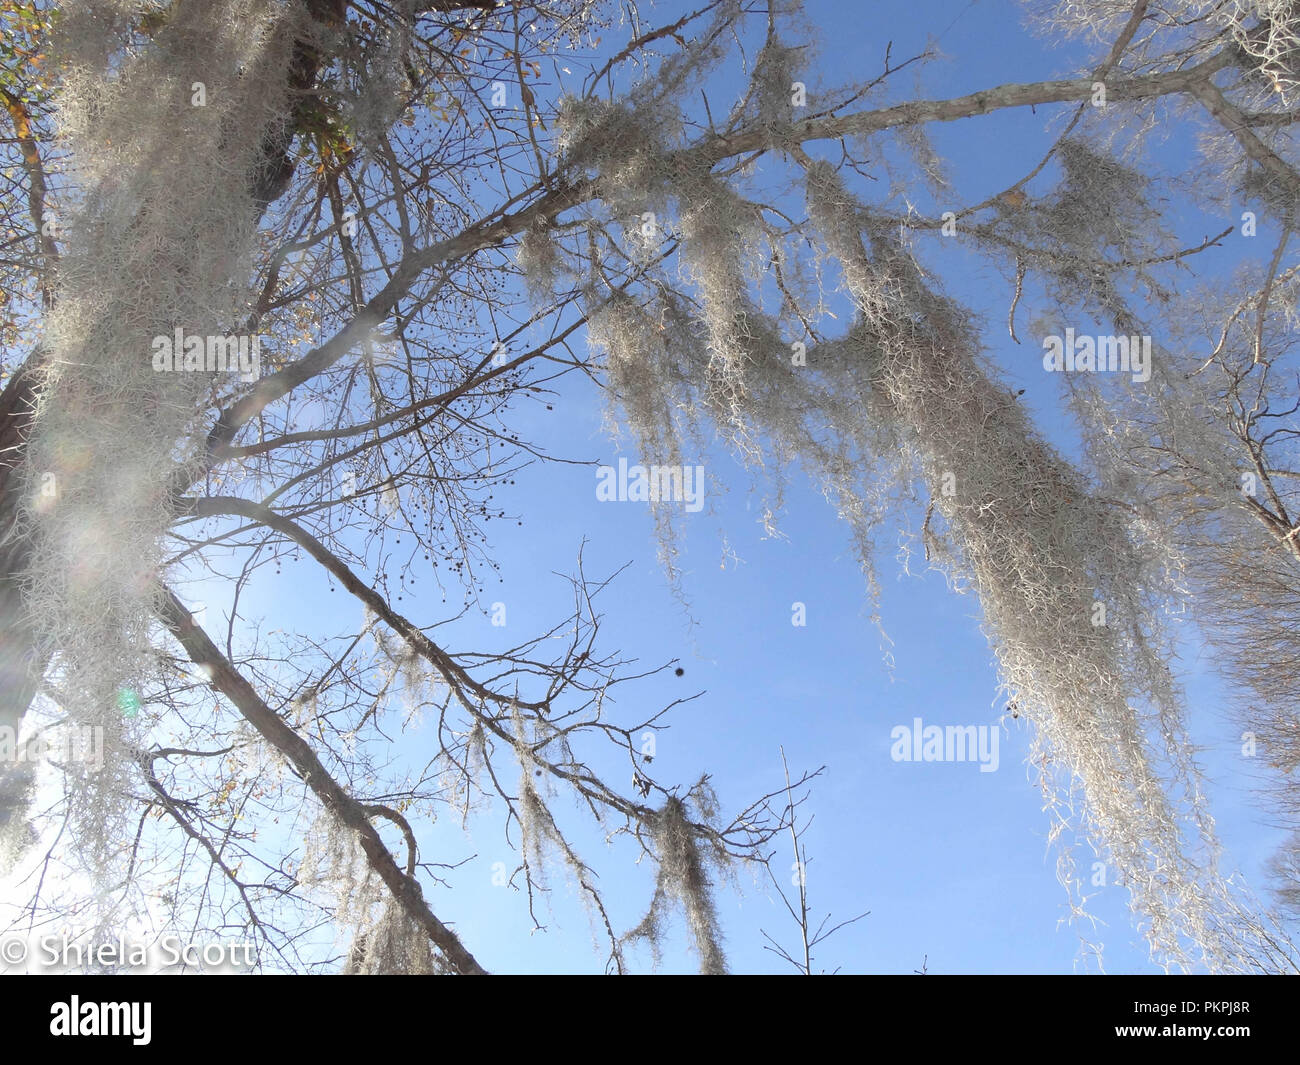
380,937
1066,594
687,863
140,118
1072,587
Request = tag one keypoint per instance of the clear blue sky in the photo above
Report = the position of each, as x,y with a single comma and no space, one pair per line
952,863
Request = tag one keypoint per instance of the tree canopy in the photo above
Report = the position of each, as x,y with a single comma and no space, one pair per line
434,217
